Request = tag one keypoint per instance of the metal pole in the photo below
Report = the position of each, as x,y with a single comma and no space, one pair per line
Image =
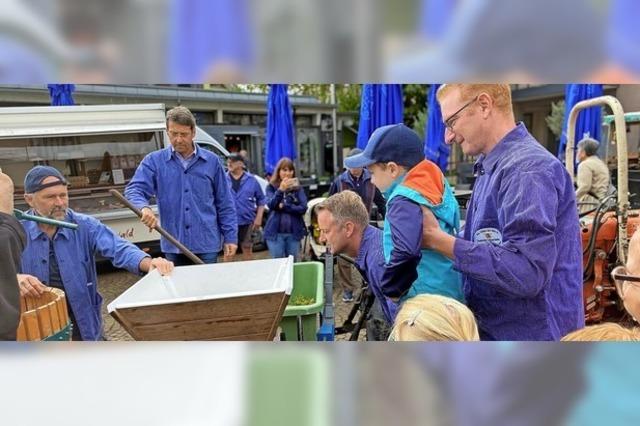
334,119
623,165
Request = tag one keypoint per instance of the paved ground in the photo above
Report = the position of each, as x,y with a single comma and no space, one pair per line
112,283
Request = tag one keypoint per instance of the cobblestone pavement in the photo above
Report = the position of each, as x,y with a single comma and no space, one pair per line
112,283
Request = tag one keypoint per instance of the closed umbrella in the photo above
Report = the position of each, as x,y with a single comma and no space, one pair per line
61,94
280,128
380,105
435,149
589,120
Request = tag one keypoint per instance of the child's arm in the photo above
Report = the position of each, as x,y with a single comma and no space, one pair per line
405,220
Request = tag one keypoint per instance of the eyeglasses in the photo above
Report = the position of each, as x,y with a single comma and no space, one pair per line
451,121
622,279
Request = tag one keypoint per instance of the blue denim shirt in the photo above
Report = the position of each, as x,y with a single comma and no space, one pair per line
75,252
521,255
195,204
248,198
370,262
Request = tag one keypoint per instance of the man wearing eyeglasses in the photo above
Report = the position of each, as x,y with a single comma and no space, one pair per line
521,253
194,200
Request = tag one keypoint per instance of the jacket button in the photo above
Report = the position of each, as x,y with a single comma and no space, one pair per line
186,190
44,261
187,209
187,226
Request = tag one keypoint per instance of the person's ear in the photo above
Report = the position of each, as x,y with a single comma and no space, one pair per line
394,169
486,104
349,227
29,199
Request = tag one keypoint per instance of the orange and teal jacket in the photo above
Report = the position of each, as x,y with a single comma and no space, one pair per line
409,269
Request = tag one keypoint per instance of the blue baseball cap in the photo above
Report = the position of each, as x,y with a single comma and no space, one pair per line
395,142
33,179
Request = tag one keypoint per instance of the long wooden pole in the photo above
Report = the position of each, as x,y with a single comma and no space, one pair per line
195,259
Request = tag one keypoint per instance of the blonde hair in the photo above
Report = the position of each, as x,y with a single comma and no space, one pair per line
607,332
346,206
500,93
434,318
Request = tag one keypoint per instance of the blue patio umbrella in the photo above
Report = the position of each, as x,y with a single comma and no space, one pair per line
280,128
380,104
61,94
209,40
589,120
435,149
623,33
436,17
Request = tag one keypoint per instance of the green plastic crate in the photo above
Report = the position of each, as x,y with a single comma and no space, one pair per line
301,322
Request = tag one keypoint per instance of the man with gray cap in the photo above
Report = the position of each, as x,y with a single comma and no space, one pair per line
593,176
65,258
358,180
12,242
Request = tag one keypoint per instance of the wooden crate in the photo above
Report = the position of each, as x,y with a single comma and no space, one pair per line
227,301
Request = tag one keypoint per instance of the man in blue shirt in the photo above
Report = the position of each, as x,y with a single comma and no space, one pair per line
65,258
357,180
194,200
344,226
521,252
249,201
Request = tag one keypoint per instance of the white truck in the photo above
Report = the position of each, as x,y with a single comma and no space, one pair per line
97,147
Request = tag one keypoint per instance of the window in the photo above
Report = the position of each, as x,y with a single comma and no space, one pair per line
87,161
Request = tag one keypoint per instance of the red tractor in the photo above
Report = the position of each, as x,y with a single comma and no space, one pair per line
607,228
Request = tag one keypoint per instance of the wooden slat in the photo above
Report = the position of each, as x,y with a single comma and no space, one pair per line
31,325
206,329
126,325
44,321
55,318
276,322
62,313
203,310
247,337
28,301
22,332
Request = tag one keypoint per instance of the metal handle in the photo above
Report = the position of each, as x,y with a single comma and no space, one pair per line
195,259
24,216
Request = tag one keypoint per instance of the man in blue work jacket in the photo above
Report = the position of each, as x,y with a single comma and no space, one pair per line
357,180
249,201
65,258
344,226
521,253
194,200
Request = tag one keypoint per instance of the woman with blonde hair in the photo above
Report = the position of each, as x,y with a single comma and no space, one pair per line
607,332
430,317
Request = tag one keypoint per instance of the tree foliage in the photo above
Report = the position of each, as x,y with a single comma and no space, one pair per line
555,120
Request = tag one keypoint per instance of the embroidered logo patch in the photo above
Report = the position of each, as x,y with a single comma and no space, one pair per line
488,235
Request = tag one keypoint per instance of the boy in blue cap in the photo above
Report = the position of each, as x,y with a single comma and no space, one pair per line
394,156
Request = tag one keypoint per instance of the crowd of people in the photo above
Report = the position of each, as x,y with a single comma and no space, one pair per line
515,269
513,272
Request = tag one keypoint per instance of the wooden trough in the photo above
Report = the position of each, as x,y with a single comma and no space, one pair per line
45,317
226,301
